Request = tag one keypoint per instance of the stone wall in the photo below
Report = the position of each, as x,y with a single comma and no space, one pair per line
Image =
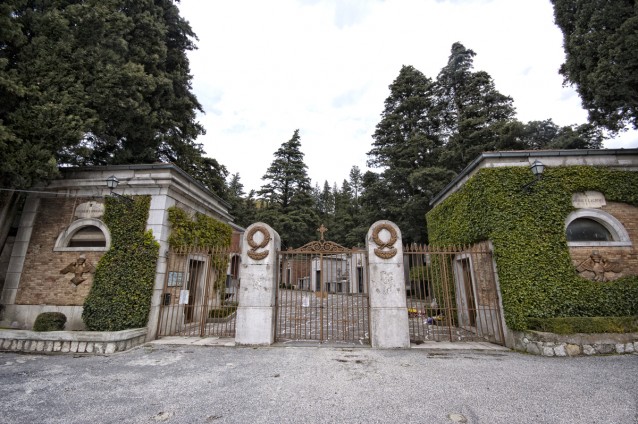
88,342
550,344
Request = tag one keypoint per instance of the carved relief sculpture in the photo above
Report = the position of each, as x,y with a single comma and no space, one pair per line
78,268
596,267
252,253
389,245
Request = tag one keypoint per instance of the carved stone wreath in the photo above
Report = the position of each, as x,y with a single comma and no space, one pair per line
391,252
252,253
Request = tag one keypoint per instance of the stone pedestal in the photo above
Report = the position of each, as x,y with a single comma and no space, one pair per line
388,308
258,273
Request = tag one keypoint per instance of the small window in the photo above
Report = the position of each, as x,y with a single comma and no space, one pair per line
89,236
594,227
84,235
584,229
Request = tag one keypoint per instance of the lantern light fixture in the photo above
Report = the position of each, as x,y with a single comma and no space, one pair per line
111,183
537,169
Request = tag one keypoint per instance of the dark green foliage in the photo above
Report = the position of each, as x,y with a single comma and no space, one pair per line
241,208
472,111
201,231
288,205
536,275
587,325
541,135
407,146
431,130
600,38
49,321
205,232
287,175
120,297
97,82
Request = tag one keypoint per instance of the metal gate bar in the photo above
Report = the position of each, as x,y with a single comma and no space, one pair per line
452,294
318,295
198,299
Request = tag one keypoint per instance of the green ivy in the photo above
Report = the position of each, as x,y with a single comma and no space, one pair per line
201,231
527,228
205,232
120,297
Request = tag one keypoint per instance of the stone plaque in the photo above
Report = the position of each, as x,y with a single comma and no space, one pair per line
588,200
90,209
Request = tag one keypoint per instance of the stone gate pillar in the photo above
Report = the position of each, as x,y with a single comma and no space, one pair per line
255,323
388,308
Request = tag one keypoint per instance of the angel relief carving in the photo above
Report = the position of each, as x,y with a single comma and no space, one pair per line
598,268
79,267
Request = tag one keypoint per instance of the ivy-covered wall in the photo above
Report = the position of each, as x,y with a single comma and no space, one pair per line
202,231
527,228
120,297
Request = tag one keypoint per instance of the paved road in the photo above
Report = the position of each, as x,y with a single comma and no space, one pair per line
193,384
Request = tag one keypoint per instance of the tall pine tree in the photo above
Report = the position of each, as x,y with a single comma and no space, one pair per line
473,112
288,204
407,145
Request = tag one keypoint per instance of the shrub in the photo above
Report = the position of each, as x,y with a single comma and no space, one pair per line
49,321
120,297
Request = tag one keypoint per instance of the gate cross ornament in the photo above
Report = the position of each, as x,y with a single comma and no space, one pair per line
322,230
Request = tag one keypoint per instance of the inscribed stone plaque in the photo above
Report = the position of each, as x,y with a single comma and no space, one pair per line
588,199
90,209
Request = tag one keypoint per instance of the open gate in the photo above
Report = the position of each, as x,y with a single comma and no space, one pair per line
322,294
452,294
199,297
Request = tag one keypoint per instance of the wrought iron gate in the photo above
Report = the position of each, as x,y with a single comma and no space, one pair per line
322,294
199,297
452,294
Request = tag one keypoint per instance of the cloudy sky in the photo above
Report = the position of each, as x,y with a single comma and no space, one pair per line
266,68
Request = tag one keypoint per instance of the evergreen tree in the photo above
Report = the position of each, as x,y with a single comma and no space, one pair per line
547,135
289,206
600,38
430,131
406,141
241,207
97,82
473,112
355,183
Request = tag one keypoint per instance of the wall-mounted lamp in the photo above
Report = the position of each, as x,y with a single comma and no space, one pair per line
111,183
537,168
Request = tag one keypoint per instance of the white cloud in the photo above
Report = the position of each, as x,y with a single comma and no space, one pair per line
264,69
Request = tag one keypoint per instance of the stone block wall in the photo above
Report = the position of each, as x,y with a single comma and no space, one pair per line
550,344
85,342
